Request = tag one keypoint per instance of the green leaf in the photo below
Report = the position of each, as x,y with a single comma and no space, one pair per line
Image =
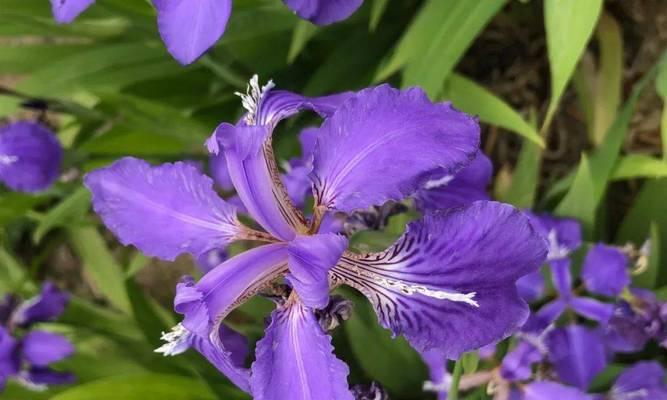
523,186
303,32
100,266
569,25
661,87
579,203
610,76
648,278
457,25
475,99
14,205
383,358
139,387
13,275
83,314
639,166
436,18
377,10
69,211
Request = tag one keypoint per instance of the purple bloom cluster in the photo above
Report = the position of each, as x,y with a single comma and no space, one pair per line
190,27
558,352
448,285
25,353
30,156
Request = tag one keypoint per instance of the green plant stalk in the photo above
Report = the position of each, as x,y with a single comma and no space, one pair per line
456,379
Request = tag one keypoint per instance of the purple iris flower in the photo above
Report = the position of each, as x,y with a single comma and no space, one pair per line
30,156
449,283
190,27
577,354
447,190
563,236
635,320
26,354
440,379
546,390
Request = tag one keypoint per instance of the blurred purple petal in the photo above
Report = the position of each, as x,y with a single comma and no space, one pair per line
30,156
48,305
517,365
462,188
65,11
297,183
211,259
10,359
40,376
43,348
592,309
605,271
451,273
563,234
577,354
546,315
437,370
545,390
308,140
295,360
562,277
165,210
380,144
642,381
531,286
190,27
310,259
323,12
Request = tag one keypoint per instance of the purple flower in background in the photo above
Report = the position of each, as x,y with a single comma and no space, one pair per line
446,190
26,354
577,354
30,156
190,27
605,271
448,284
545,390
642,381
636,320
440,379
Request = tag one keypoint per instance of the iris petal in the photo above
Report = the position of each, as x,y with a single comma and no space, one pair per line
310,259
381,145
323,12
30,156
577,353
43,348
295,360
605,271
450,281
165,210
205,304
189,27
65,11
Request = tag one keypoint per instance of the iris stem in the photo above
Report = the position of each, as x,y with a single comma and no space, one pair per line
456,378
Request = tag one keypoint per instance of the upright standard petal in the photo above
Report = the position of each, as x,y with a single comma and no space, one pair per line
445,190
165,210
562,277
310,259
205,304
605,271
324,12
252,168
577,354
65,11
383,144
30,156
49,304
217,165
295,360
43,348
190,27
450,281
